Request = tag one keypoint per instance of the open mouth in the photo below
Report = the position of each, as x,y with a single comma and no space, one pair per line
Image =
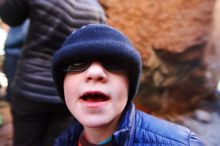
94,97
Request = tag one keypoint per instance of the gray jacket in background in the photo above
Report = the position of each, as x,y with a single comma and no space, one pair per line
51,21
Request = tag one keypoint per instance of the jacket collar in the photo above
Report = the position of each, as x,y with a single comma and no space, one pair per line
123,136
125,133
71,135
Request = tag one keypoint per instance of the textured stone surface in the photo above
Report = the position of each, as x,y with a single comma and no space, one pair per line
173,25
212,53
172,36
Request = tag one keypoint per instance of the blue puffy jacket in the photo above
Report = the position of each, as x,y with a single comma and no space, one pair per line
139,129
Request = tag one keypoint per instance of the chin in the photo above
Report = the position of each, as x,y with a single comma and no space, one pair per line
95,123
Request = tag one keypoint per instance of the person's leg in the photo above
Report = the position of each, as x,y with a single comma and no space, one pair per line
28,124
28,130
38,123
59,120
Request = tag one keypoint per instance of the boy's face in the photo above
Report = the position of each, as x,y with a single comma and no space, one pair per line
96,96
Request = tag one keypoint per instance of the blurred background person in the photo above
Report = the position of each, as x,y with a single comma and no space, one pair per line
3,79
13,47
39,115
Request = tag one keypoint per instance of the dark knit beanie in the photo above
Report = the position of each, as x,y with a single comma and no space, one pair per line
97,41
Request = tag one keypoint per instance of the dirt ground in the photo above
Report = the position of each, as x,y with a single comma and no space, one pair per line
207,129
206,125
6,129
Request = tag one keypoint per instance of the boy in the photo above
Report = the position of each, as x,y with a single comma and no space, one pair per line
97,73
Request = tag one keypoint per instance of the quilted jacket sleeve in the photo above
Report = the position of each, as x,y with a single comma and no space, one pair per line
13,12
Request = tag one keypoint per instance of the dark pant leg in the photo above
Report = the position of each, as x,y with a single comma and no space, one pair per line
57,122
28,130
32,122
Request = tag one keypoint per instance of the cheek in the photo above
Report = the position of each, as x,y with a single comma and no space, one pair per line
122,87
69,85
120,96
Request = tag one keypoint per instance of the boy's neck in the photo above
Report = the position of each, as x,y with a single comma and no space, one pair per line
99,134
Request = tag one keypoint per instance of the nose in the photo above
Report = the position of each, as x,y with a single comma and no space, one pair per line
96,73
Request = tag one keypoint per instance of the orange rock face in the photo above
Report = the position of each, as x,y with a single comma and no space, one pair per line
171,36
171,25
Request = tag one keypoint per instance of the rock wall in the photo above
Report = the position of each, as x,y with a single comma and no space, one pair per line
212,53
172,37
